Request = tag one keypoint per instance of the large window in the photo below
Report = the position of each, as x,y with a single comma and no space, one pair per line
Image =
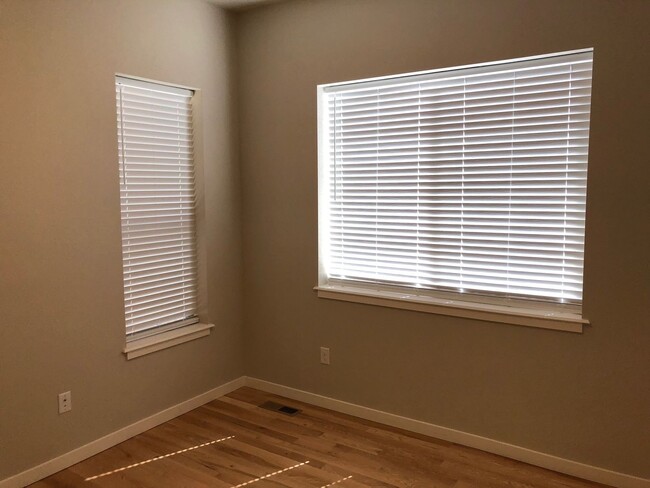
466,182
154,128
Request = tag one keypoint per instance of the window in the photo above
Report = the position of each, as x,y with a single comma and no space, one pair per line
155,144
466,185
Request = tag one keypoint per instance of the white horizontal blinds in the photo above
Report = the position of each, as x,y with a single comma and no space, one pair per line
469,180
157,203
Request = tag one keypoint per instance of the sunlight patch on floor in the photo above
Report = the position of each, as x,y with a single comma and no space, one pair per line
270,474
157,458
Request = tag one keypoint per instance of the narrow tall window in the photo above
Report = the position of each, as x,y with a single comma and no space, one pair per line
154,129
467,181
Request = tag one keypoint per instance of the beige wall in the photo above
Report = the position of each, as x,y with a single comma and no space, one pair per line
61,312
583,397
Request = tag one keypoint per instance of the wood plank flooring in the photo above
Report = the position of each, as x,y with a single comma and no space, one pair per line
233,443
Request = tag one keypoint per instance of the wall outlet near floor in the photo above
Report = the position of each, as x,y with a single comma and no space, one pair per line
324,355
65,402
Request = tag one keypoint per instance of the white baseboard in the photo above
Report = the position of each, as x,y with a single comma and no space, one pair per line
529,456
84,452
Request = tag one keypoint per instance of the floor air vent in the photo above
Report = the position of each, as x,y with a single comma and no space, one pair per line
276,407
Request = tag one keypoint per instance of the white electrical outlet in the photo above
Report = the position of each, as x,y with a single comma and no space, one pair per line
65,402
325,355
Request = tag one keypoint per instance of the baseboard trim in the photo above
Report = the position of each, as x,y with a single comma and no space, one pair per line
84,452
561,465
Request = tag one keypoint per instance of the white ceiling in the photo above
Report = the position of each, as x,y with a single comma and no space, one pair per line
240,4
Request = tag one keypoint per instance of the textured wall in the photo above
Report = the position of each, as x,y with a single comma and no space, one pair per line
61,310
582,397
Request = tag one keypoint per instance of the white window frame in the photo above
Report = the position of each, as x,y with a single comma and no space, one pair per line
527,312
176,332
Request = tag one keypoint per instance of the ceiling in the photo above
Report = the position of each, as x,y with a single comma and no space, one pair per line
240,4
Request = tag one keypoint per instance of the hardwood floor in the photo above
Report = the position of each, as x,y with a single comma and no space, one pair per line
233,443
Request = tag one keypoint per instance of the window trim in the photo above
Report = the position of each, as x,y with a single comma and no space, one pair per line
516,311
490,312
163,340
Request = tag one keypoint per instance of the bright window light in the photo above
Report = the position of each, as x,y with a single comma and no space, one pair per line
469,180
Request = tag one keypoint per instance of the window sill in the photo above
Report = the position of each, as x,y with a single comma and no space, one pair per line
147,345
569,322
